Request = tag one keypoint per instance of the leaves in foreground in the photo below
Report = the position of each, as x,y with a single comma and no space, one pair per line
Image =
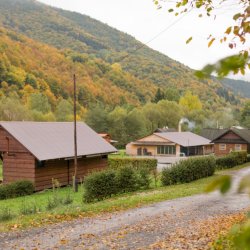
222,183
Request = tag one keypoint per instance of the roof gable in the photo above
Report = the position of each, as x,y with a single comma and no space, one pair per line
54,140
153,138
244,134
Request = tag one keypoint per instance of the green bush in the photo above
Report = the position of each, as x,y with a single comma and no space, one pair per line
104,184
16,189
248,158
126,179
188,170
136,163
143,180
100,185
231,160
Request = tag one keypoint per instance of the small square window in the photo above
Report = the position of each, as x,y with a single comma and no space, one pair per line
222,147
237,147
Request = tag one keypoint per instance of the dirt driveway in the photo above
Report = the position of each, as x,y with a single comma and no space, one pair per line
184,223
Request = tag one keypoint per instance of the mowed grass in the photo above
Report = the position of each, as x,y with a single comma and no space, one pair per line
79,209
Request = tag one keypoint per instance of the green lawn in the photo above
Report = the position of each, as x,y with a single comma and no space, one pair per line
80,209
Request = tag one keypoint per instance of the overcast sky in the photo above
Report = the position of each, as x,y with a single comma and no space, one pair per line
141,19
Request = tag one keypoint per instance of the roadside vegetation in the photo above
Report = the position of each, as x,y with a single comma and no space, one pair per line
61,203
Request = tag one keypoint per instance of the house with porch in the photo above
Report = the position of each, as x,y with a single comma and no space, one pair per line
228,140
170,144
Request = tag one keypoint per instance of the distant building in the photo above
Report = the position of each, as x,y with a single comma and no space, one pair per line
40,151
165,130
107,138
228,140
170,144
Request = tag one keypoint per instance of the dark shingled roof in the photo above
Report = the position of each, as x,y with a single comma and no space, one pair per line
213,134
55,140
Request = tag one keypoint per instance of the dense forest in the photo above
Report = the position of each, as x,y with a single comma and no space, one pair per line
42,47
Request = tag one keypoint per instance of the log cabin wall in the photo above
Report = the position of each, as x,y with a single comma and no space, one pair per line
63,170
18,163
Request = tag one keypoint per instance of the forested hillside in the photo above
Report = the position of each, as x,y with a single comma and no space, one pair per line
82,34
238,87
42,47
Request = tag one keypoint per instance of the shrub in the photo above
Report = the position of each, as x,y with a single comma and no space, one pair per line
248,158
231,160
188,170
16,189
104,184
100,185
136,163
126,179
143,178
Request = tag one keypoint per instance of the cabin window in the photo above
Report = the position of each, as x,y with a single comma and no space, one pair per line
222,147
166,150
237,147
39,164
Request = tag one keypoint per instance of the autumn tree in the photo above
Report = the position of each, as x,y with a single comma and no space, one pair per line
118,126
64,111
135,123
190,102
39,102
97,118
171,113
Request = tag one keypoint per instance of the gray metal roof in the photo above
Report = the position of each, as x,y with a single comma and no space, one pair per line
185,139
54,140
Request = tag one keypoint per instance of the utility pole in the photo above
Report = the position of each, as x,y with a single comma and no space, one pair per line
75,183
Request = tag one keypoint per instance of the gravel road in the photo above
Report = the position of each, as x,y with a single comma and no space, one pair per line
151,227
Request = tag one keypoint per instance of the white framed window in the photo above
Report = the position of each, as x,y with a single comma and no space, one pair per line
237,147
222,147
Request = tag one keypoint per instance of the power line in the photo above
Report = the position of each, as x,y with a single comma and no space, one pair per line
154,37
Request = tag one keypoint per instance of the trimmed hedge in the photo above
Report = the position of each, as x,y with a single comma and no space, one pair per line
188,170
104,184
16,189
136,163
231,160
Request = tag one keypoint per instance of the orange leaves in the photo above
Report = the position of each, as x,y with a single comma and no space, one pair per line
211,42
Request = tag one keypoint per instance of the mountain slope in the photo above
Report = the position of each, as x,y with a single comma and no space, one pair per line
51,70
239,87
82,34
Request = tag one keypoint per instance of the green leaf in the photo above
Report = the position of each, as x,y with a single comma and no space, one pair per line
222,183
189,40
170,10
244,183
236,16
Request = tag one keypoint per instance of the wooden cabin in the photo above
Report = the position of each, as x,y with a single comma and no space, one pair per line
228,140
40,151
